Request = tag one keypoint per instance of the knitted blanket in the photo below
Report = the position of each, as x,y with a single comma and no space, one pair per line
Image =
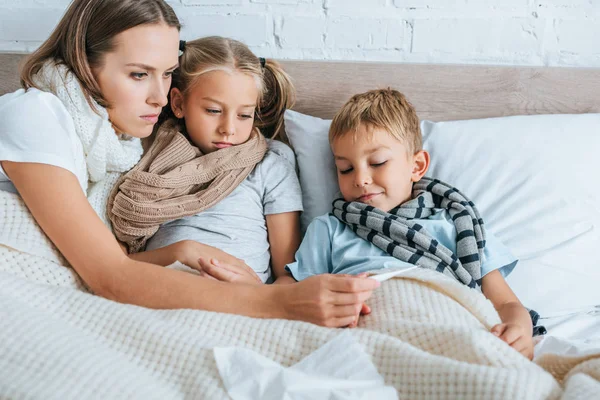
396,233
175,179
428,336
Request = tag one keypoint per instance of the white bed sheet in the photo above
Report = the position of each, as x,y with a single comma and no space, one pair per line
570,335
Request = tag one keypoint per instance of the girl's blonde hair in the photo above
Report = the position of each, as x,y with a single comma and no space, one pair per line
86,33
276,91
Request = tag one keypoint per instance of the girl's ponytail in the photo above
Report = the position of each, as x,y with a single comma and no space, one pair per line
279,94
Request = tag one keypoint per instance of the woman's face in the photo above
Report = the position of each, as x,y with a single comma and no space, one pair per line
135,77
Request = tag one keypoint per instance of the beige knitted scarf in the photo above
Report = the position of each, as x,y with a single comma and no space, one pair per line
175,179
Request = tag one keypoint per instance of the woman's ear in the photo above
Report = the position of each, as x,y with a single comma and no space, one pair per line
177,103
420,165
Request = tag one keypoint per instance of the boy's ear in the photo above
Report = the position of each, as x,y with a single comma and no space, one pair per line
420,165
177,103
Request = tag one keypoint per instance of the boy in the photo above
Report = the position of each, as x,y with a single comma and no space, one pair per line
391,216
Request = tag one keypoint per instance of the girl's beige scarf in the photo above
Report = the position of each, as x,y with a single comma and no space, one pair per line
175,180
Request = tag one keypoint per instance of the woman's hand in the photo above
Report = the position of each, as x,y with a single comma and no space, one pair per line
214,269
328,300
365,309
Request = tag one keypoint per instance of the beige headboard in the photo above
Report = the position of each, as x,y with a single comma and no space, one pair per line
439,92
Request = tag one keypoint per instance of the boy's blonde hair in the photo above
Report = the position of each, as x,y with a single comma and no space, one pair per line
386,109
276,91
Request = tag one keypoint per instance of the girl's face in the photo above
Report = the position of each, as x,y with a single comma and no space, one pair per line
218,109
136,76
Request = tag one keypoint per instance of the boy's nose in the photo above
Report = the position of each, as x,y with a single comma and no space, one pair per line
362,180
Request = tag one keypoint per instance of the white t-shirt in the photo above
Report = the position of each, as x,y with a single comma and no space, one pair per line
35,127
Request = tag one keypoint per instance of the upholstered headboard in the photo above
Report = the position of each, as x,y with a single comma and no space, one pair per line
9,72
439,92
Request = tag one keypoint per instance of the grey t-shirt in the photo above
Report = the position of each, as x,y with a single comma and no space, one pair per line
237,224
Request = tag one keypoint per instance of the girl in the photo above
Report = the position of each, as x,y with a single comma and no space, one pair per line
232,192
92,90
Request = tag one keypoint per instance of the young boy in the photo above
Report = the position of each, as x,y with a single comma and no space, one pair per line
391,216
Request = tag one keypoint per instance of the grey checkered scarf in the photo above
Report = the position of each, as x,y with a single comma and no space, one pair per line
399,236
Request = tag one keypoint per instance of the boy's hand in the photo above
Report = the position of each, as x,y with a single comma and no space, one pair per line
516,328
517,336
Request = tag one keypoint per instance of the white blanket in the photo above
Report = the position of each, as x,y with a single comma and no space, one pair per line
428,336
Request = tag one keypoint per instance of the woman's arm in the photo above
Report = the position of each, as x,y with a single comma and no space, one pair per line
58,204
284,240
516,328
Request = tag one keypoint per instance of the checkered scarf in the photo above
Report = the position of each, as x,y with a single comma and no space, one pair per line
399,236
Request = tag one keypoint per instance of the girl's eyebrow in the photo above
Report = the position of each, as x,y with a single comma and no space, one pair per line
223,104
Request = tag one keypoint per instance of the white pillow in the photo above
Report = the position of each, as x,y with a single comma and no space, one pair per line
535,180
309,137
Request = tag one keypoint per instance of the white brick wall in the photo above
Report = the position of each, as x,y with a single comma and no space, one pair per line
525,32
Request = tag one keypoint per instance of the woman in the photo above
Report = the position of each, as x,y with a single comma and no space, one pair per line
94,88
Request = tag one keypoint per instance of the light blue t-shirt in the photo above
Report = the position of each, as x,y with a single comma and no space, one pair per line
330,246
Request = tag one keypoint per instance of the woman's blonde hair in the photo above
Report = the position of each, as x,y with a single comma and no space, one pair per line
86,33
276,91
386,109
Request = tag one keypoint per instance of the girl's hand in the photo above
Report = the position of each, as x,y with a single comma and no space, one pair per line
328,300
214,269
189,253
517,336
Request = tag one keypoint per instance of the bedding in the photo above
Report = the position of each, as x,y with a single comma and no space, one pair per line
428,336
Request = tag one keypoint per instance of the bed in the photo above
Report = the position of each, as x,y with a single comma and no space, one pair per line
427,336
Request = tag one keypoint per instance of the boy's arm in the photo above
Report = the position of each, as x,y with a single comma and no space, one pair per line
284,239
516,327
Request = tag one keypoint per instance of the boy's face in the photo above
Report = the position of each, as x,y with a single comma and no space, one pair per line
376,168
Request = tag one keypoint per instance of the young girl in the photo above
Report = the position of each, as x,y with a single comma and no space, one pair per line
226,187
89,93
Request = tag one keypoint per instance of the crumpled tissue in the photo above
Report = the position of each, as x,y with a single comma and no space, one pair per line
338,370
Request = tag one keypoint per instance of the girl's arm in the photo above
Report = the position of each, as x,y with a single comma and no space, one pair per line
58,204
189,252
284,240
516,328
